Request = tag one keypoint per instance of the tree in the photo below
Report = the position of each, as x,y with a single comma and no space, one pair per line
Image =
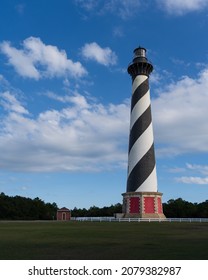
180,208
22,208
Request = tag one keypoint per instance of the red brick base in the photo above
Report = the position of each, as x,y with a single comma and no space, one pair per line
143,205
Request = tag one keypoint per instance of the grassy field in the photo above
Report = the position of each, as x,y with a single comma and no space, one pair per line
105,240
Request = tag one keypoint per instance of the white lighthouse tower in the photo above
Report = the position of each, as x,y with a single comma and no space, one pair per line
142,198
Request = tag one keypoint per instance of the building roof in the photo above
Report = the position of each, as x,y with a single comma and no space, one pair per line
63,209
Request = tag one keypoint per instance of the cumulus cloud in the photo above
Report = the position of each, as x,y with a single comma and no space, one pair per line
180,116
82,136
86,135
20,60
104,56
37,60
179,7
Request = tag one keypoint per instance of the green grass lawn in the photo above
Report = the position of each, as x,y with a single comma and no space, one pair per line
103,240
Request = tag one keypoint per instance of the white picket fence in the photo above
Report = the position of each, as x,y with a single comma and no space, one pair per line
113,219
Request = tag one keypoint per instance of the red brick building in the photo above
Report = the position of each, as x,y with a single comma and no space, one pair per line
63,214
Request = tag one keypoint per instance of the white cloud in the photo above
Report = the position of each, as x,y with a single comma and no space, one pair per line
87,4
124,9
3,82
179,7
176,170
180,116
193,180
203,169
118,32
86,135
76,99
197,180
155,78
9,102
82,136
37,60
104,56
20,60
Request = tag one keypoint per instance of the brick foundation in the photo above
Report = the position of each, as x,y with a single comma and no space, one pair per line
143,205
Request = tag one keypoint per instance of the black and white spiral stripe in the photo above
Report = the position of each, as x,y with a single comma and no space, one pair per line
141,158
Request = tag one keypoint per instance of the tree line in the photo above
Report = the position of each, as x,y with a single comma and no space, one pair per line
177,208
22,208
94,211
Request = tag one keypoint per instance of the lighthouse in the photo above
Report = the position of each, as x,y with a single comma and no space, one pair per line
142,198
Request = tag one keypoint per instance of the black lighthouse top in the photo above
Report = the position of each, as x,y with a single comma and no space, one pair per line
140,64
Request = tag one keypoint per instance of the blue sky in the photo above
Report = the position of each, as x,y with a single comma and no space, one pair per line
65,95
